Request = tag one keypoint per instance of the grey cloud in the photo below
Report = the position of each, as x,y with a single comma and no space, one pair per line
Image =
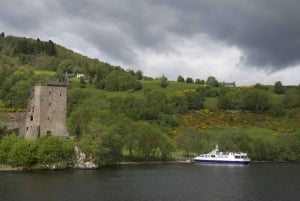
266,31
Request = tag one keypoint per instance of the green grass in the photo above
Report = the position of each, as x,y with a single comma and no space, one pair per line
257,131
44,72
174,88
210,103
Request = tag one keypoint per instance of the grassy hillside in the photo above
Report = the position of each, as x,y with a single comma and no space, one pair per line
115,113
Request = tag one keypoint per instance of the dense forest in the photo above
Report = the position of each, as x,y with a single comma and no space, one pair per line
116,114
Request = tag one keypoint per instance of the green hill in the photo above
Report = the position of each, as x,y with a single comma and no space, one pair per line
116,114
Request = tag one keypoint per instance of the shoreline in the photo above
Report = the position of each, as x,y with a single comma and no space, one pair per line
7,168
153,162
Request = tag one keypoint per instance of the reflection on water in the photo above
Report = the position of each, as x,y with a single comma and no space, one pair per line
168,182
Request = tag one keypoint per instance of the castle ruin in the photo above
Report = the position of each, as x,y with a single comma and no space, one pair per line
46,112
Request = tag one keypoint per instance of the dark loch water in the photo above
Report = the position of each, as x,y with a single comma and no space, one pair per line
166,182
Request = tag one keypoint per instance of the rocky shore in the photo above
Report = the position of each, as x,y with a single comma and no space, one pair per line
8,168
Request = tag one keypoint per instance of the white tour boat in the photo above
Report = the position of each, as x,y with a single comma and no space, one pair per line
216,156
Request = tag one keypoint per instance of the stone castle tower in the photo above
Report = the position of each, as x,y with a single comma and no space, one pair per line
46,112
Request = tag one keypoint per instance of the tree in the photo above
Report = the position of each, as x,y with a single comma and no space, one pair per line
277,110
6,145
100,143
110,147
51,149
18,94
198,81
138,86
212,81
186,140
179,104
163,81
51,51
260,86
225,102
180,79
195,100
131,106
66,66
82,82
165,146
230,99
189,80
22,153
256,101
278,88
139,75
119,81
289,147
150,141
211,92
127,130
154,103
292,98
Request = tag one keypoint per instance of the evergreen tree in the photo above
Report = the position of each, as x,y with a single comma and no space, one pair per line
51,51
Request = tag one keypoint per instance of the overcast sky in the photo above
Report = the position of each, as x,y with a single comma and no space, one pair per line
246,41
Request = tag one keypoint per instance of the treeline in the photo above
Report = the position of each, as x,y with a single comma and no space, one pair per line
259,100
21,57
284,147
42,153
134,122
16,84
135,127
16,45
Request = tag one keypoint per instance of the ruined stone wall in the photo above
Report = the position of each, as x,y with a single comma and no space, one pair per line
46,112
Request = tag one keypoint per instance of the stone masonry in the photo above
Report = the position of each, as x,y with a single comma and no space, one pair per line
46,112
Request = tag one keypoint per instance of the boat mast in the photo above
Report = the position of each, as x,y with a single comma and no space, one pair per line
217,147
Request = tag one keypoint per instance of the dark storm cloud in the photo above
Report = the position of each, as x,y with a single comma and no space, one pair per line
121,28
266,31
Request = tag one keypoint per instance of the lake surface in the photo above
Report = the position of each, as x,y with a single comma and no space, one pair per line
164,182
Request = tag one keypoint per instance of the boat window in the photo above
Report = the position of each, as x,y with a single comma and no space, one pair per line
237,157
212,156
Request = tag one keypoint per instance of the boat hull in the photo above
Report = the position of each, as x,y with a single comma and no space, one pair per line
244,162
